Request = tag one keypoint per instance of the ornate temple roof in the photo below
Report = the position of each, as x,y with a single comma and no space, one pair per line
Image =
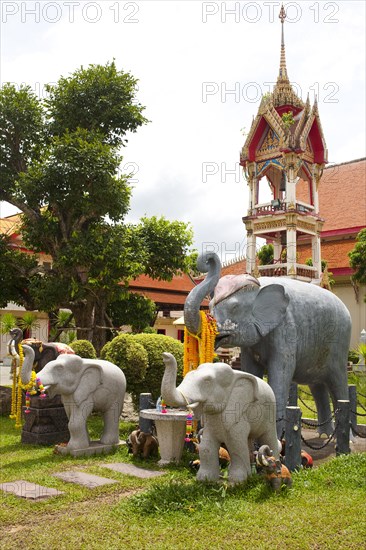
291,124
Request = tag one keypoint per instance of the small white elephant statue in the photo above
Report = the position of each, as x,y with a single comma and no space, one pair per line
236,407
85,386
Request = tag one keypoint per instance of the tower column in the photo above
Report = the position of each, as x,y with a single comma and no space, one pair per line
291,244
316,254
251,251
277,247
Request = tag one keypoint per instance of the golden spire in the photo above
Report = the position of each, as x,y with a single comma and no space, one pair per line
283,70
283,94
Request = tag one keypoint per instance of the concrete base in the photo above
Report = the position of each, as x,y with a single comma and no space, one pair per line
170,429
46,422
95,448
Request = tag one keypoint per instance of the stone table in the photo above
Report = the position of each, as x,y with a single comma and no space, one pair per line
171,430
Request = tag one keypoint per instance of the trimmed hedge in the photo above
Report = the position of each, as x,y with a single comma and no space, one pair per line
140,356
84,348
155,345
131,357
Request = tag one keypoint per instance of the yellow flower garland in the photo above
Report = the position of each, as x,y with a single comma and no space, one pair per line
200,348
18,386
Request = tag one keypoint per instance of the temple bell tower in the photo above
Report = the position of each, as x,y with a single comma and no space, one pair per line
285,149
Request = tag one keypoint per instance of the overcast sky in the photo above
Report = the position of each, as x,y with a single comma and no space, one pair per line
202,67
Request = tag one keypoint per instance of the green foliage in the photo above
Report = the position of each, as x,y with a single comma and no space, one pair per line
155,345
28,321
266,254
84,348
63,326
166,245
357,258
361,350
100,99
105,349
134,310
131,357
22,135
288,119
7,322
353,357
149,330
18,272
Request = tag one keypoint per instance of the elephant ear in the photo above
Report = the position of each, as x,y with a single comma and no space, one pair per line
90,379
244,391
269,308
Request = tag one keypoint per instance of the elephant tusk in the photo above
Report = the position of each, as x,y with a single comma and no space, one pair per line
194,405
12,349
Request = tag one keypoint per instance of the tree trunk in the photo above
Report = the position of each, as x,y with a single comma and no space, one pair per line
84,319
100,330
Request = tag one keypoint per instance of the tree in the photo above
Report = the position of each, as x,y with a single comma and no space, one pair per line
265,254
59,161
17,272
357,258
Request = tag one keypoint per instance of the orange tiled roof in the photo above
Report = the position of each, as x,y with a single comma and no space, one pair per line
180,283
335,252
342,195
236,268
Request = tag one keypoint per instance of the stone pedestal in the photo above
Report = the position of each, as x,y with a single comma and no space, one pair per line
46,423
170,429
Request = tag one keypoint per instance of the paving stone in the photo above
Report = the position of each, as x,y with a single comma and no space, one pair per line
82,478
132,470
31,491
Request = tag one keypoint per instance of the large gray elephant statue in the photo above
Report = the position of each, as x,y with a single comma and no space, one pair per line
85,385
235,407
294,331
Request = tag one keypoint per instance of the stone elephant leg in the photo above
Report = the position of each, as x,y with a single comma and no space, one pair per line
280,372
79,437
238,447
110,435
249,364
209,469
321,398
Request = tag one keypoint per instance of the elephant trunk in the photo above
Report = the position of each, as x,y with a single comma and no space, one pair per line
26,372
207,262
263,453
169,392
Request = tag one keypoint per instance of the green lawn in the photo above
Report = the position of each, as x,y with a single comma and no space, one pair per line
324,509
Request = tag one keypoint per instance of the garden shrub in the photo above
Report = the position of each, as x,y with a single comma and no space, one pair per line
104,350
84,348
131,357
155,345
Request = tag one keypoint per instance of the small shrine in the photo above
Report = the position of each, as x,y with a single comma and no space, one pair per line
285,149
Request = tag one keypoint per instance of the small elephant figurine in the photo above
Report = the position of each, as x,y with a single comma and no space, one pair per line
235,407
142,444
276,473
85,386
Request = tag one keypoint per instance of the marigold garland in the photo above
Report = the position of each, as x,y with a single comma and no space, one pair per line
200,348
18,387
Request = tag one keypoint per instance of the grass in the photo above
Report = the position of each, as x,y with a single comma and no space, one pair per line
324,509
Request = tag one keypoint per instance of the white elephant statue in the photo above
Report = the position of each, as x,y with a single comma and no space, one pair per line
85,386
236,407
